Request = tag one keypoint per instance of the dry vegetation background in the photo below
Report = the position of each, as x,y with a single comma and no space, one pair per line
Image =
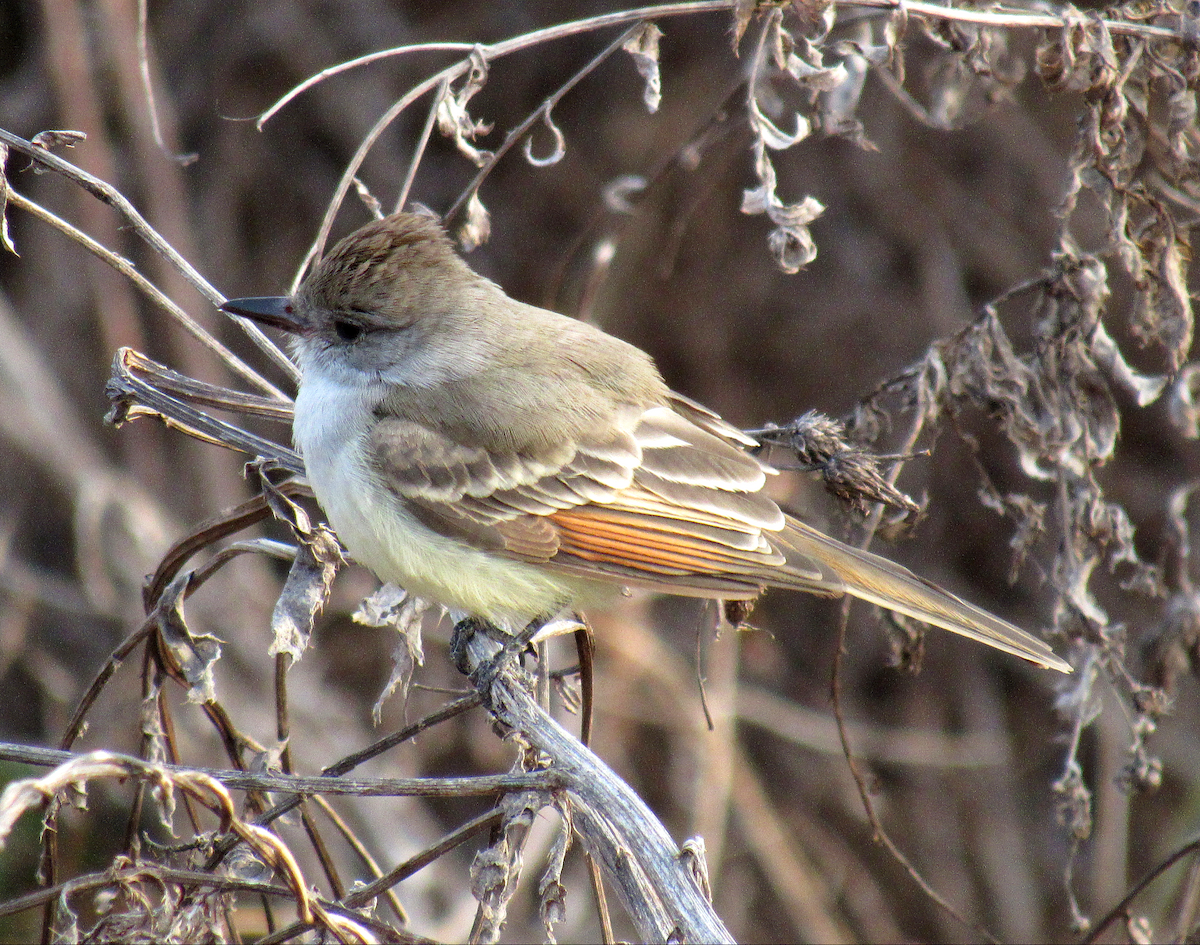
1060,422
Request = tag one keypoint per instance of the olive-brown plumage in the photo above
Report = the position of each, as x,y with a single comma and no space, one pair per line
508,462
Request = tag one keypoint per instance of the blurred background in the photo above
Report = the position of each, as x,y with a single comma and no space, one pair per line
919,232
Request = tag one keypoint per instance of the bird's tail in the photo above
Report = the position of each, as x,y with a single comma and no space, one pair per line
879,581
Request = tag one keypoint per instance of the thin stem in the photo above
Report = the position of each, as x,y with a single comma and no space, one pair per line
126,268
106,193
541,112
1012,18
324,74
419,150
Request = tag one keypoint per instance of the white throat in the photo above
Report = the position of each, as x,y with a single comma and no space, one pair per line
332,430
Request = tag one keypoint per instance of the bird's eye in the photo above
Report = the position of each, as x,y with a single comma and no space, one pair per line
347,330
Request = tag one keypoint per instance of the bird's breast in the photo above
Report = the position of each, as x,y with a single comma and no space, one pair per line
331,429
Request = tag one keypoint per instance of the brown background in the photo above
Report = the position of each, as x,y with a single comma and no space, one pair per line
916,236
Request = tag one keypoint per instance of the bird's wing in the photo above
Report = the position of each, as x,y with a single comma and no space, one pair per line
694,519
660,502
670,501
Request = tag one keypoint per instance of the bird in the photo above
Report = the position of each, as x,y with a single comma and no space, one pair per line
511,463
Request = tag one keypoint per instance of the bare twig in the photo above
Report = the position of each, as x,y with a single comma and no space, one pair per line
106,193
129,271
541,113
613,822
310,784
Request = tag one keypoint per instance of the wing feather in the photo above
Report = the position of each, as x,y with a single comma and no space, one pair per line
663,498
670,501
676,450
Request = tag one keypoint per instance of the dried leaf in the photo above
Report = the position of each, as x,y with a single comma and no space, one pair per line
1140,931
761,198
49,140
841,103
392,606
66,919
811,72
1094,526
1075,804
453,118
193,656
743,13
1181,111
1079,56
247,864
304,592
5,236
643,47
790,242
619,194
477,227
496,869
307,586
1145,389
694,858
1030,519
771,134
816,17
1163,310
154,737
1173,648
793,247
1183,403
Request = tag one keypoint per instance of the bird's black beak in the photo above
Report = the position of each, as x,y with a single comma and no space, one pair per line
274,310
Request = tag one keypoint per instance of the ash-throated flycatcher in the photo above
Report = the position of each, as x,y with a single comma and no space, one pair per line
509,462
